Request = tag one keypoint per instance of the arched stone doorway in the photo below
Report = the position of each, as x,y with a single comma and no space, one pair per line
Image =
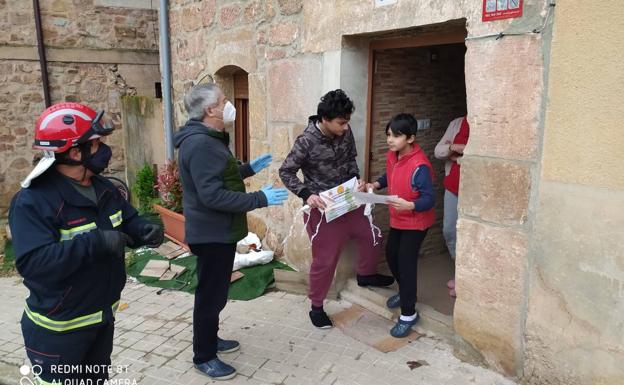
234,82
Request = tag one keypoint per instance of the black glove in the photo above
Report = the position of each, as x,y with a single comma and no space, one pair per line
114,242
152,234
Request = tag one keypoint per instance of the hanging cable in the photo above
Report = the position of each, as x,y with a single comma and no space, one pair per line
500,35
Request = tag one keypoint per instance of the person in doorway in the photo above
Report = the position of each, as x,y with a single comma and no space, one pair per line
326,154
451,148
70,228
409,175
215,205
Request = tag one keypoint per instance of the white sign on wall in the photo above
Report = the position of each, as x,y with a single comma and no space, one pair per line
383,3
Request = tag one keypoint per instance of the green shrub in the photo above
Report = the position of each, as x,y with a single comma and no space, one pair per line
144,189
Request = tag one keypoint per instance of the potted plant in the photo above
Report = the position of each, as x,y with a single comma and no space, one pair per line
170,208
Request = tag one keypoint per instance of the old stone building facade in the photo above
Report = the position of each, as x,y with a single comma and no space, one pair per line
540,265
97,51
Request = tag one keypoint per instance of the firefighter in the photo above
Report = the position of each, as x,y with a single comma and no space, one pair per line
70,228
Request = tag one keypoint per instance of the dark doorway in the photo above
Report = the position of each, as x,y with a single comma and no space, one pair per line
428,82
241,125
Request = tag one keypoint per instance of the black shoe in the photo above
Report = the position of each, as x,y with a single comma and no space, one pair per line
227,346
216,369
320,319
374,280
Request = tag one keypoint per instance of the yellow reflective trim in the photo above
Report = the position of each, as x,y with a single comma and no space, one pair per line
61,326
115,306
67,234
116,218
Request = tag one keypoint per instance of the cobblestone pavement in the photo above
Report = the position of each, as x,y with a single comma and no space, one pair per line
278,345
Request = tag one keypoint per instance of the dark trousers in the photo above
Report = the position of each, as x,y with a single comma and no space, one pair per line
402,249
89,349
214,269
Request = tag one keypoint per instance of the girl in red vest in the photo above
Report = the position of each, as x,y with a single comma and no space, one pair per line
410,176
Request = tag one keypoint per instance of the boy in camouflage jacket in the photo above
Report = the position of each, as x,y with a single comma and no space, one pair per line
325,153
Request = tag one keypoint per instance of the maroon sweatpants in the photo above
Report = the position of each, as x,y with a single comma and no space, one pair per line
328,244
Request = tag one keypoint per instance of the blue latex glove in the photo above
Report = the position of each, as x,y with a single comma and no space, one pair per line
275,196
261,162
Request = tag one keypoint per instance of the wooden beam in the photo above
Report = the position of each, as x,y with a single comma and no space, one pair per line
422,40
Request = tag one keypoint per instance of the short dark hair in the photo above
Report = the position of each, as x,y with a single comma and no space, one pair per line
335,104
403,124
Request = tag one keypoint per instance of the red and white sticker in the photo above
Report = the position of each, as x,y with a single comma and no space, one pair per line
502,9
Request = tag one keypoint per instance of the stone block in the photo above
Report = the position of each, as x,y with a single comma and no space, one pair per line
191,47
257,106
192,18
294,89
297,250
290,7
273,241
230,15
256,224
283,34
296,130
256,11
575,317
236,47
275,54
490,280
280,143
322,33
504,96
495,190
209,9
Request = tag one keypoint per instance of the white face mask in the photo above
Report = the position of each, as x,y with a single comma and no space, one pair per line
229,112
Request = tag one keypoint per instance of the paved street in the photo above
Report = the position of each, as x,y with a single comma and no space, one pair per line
279,346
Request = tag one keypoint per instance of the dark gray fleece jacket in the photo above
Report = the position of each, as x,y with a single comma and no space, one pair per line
214,199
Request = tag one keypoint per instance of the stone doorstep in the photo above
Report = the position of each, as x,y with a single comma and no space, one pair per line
432,323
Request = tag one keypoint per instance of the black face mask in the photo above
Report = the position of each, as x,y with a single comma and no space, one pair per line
97,162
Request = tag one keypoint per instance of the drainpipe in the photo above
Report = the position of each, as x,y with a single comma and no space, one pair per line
165,68
42,57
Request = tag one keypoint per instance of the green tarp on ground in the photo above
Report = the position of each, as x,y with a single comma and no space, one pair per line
7,264
252,285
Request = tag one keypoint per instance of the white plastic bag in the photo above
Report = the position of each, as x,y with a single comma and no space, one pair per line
253,257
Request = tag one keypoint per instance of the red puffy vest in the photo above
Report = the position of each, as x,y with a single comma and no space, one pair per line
399,173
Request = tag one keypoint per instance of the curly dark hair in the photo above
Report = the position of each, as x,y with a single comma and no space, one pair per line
403,124
335,104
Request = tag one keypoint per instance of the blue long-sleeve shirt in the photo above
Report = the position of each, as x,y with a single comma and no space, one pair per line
421,182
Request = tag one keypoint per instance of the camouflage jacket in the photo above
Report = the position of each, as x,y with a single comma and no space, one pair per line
325,162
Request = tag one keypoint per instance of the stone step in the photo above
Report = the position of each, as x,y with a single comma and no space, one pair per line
432,323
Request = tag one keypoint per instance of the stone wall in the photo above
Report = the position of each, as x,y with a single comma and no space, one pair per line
576,300
96,54
294,51
79,24
262,38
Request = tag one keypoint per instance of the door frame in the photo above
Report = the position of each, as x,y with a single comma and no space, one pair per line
449,36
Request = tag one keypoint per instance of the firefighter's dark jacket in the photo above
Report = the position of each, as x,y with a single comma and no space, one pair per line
73,283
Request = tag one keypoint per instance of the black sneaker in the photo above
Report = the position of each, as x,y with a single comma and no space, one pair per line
374,280
320,319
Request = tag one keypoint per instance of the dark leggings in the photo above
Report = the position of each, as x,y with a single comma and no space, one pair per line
402,249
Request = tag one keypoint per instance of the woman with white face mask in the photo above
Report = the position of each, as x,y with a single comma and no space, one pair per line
215,205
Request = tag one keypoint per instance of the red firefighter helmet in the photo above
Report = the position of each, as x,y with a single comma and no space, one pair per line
66,125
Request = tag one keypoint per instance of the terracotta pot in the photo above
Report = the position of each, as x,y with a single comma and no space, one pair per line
174,225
